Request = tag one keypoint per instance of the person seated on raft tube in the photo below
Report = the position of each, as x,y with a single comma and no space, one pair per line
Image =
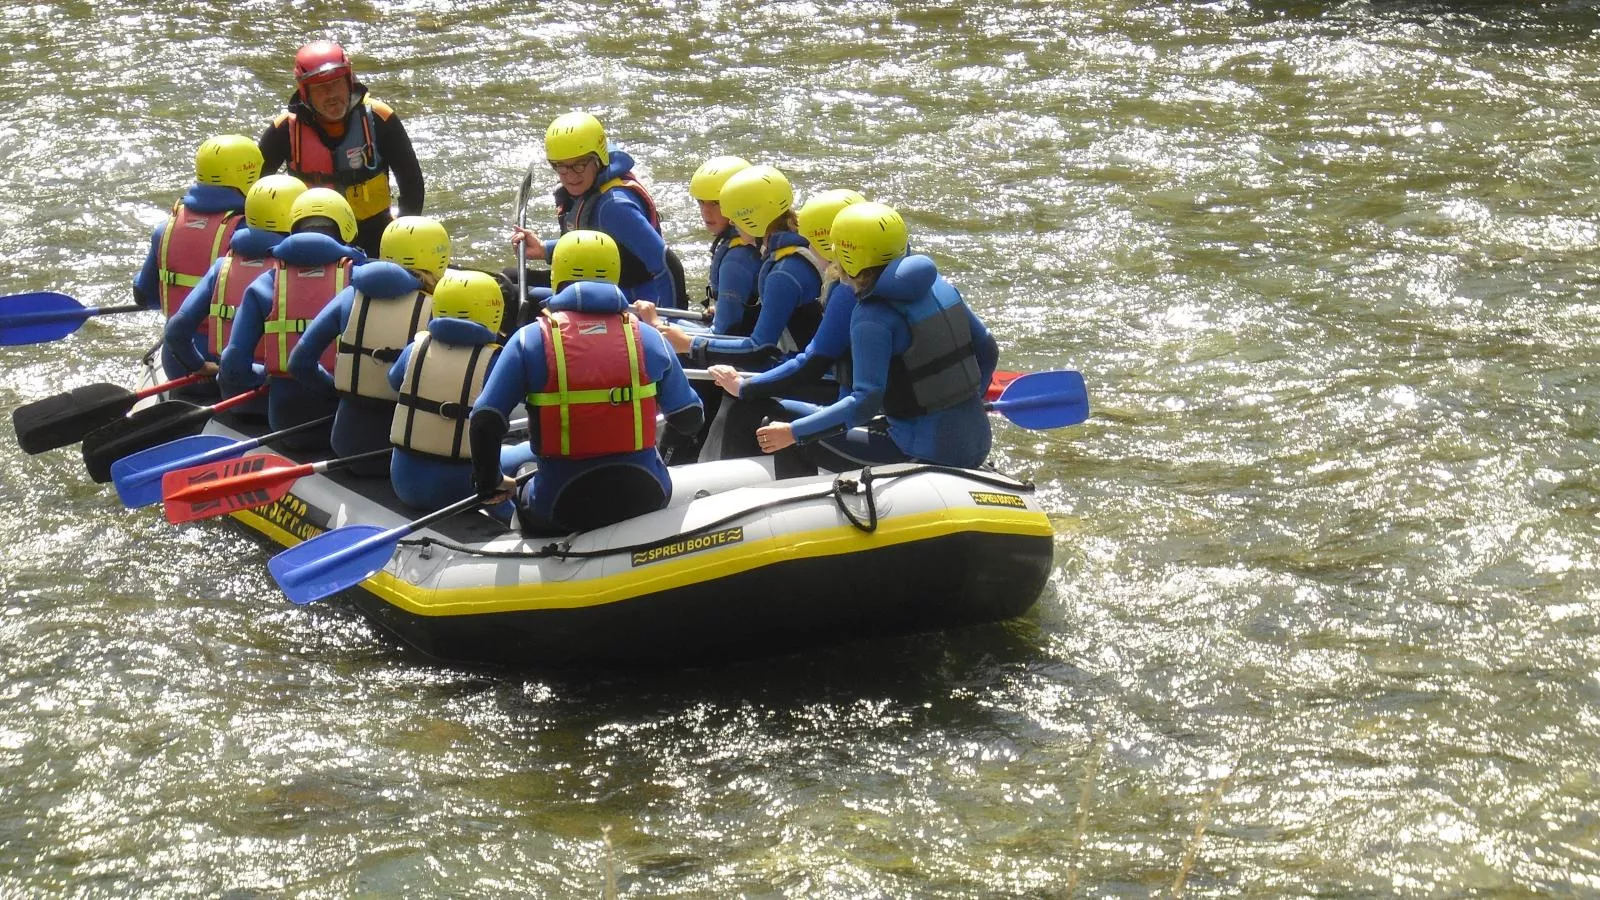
310,267
599,193
207,313
437,379
730,288
917,353
803,378
759,202
593,377
735,259
386,304
183,248
335,135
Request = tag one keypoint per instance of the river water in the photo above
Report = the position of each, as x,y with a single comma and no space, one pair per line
1324,620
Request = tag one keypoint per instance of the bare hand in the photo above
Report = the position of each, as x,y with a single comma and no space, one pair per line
532,246
679,339
727,378
209,369
508,487
775,437
646,311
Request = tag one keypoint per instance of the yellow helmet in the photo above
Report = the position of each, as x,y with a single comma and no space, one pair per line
329,204
755,197
267,204
866,235
585,256
576,134
230,160
816,217
706,185
474,296
417,242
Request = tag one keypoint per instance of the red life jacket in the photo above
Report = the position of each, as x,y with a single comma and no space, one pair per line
597,399
191,242
354,168
233,278
301,292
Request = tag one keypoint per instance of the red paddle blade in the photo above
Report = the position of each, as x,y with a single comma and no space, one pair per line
998,384
216,489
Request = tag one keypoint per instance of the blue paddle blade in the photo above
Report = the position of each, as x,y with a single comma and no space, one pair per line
138,476
1045,400
333,561
39,317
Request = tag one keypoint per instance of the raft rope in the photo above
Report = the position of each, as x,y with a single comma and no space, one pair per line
841,486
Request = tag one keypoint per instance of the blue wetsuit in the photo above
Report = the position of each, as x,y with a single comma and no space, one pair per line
424,480
909,291
789,289
201,198
732,282
288,401
361,423
620,213
811,376
521,370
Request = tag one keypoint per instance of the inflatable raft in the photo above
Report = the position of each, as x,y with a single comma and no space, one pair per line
739,565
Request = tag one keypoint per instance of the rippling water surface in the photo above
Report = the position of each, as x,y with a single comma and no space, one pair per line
1326,587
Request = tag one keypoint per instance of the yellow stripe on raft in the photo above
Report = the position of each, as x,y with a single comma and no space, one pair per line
696,568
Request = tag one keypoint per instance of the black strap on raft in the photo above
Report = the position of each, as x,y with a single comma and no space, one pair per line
864,486
840,486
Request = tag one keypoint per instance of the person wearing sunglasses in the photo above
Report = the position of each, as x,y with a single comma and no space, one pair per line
598,192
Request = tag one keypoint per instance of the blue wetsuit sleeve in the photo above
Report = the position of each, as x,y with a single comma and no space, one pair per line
179,335
305,360
986,349
673,392
238,371
814,363
147,284
397,372
781,294
519,369
627,224
736,287
871,348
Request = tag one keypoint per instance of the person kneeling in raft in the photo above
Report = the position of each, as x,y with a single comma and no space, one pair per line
387,303
311,265
592,376
438,377
917,353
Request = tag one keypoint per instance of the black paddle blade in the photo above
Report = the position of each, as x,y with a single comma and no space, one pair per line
149,427
67,418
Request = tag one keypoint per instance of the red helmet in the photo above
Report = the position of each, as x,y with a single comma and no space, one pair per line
320,61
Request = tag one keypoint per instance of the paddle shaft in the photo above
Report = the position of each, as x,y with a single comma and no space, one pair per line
257,481
228,452
392,536
175,383
17,320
